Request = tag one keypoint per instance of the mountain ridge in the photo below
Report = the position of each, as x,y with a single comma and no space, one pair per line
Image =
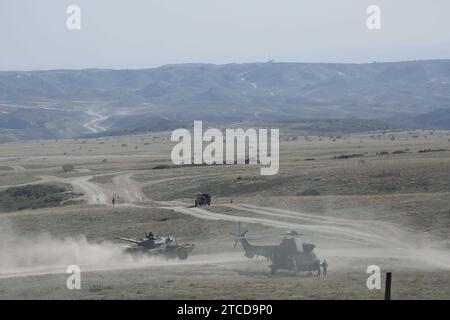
399,92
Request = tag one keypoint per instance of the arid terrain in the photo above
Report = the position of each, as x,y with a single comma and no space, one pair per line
378,198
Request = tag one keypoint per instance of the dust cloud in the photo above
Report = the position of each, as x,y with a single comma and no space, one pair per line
22,251
29,255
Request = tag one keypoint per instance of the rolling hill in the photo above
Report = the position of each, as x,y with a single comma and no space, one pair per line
399,92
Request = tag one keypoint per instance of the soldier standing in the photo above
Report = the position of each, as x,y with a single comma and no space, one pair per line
324,267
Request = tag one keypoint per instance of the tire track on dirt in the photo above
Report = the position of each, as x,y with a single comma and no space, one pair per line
376,230
344,235
362,232
93,125
127,264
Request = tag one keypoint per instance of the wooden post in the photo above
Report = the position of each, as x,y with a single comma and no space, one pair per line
387,289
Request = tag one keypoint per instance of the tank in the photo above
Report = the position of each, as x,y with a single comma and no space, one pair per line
152,245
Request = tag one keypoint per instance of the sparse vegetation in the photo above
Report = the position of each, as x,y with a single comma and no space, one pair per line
173,166
385,174
409,190
432,150
310,192
163,166
349,156
33,197
68,168
99,287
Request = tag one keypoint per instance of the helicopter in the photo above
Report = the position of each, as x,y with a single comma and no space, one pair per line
291,254
152,245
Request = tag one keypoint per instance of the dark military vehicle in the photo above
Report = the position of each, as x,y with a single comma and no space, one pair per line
291,254
153,245
202,199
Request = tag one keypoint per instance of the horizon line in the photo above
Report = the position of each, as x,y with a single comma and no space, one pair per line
220,64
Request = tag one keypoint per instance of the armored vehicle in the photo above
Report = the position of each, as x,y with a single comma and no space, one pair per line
152,245
203,199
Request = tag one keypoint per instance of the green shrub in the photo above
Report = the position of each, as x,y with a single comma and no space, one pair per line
33,197
162,166
310,192
68,168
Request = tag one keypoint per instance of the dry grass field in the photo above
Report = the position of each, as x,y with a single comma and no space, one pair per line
388,206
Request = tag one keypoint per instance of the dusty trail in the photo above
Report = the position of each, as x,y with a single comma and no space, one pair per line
356,239
127,264
93,125
8,105
385,240
373,243
131,191
18,168
376,231
370,232
95,194
122,186
128,189
364,232
343,233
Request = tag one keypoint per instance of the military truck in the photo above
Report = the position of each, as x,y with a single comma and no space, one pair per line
202,199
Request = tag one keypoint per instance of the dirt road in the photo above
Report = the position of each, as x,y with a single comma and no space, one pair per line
125,263
361,232
355,237
94,124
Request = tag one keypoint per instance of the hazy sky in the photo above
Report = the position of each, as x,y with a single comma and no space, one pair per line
149,33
